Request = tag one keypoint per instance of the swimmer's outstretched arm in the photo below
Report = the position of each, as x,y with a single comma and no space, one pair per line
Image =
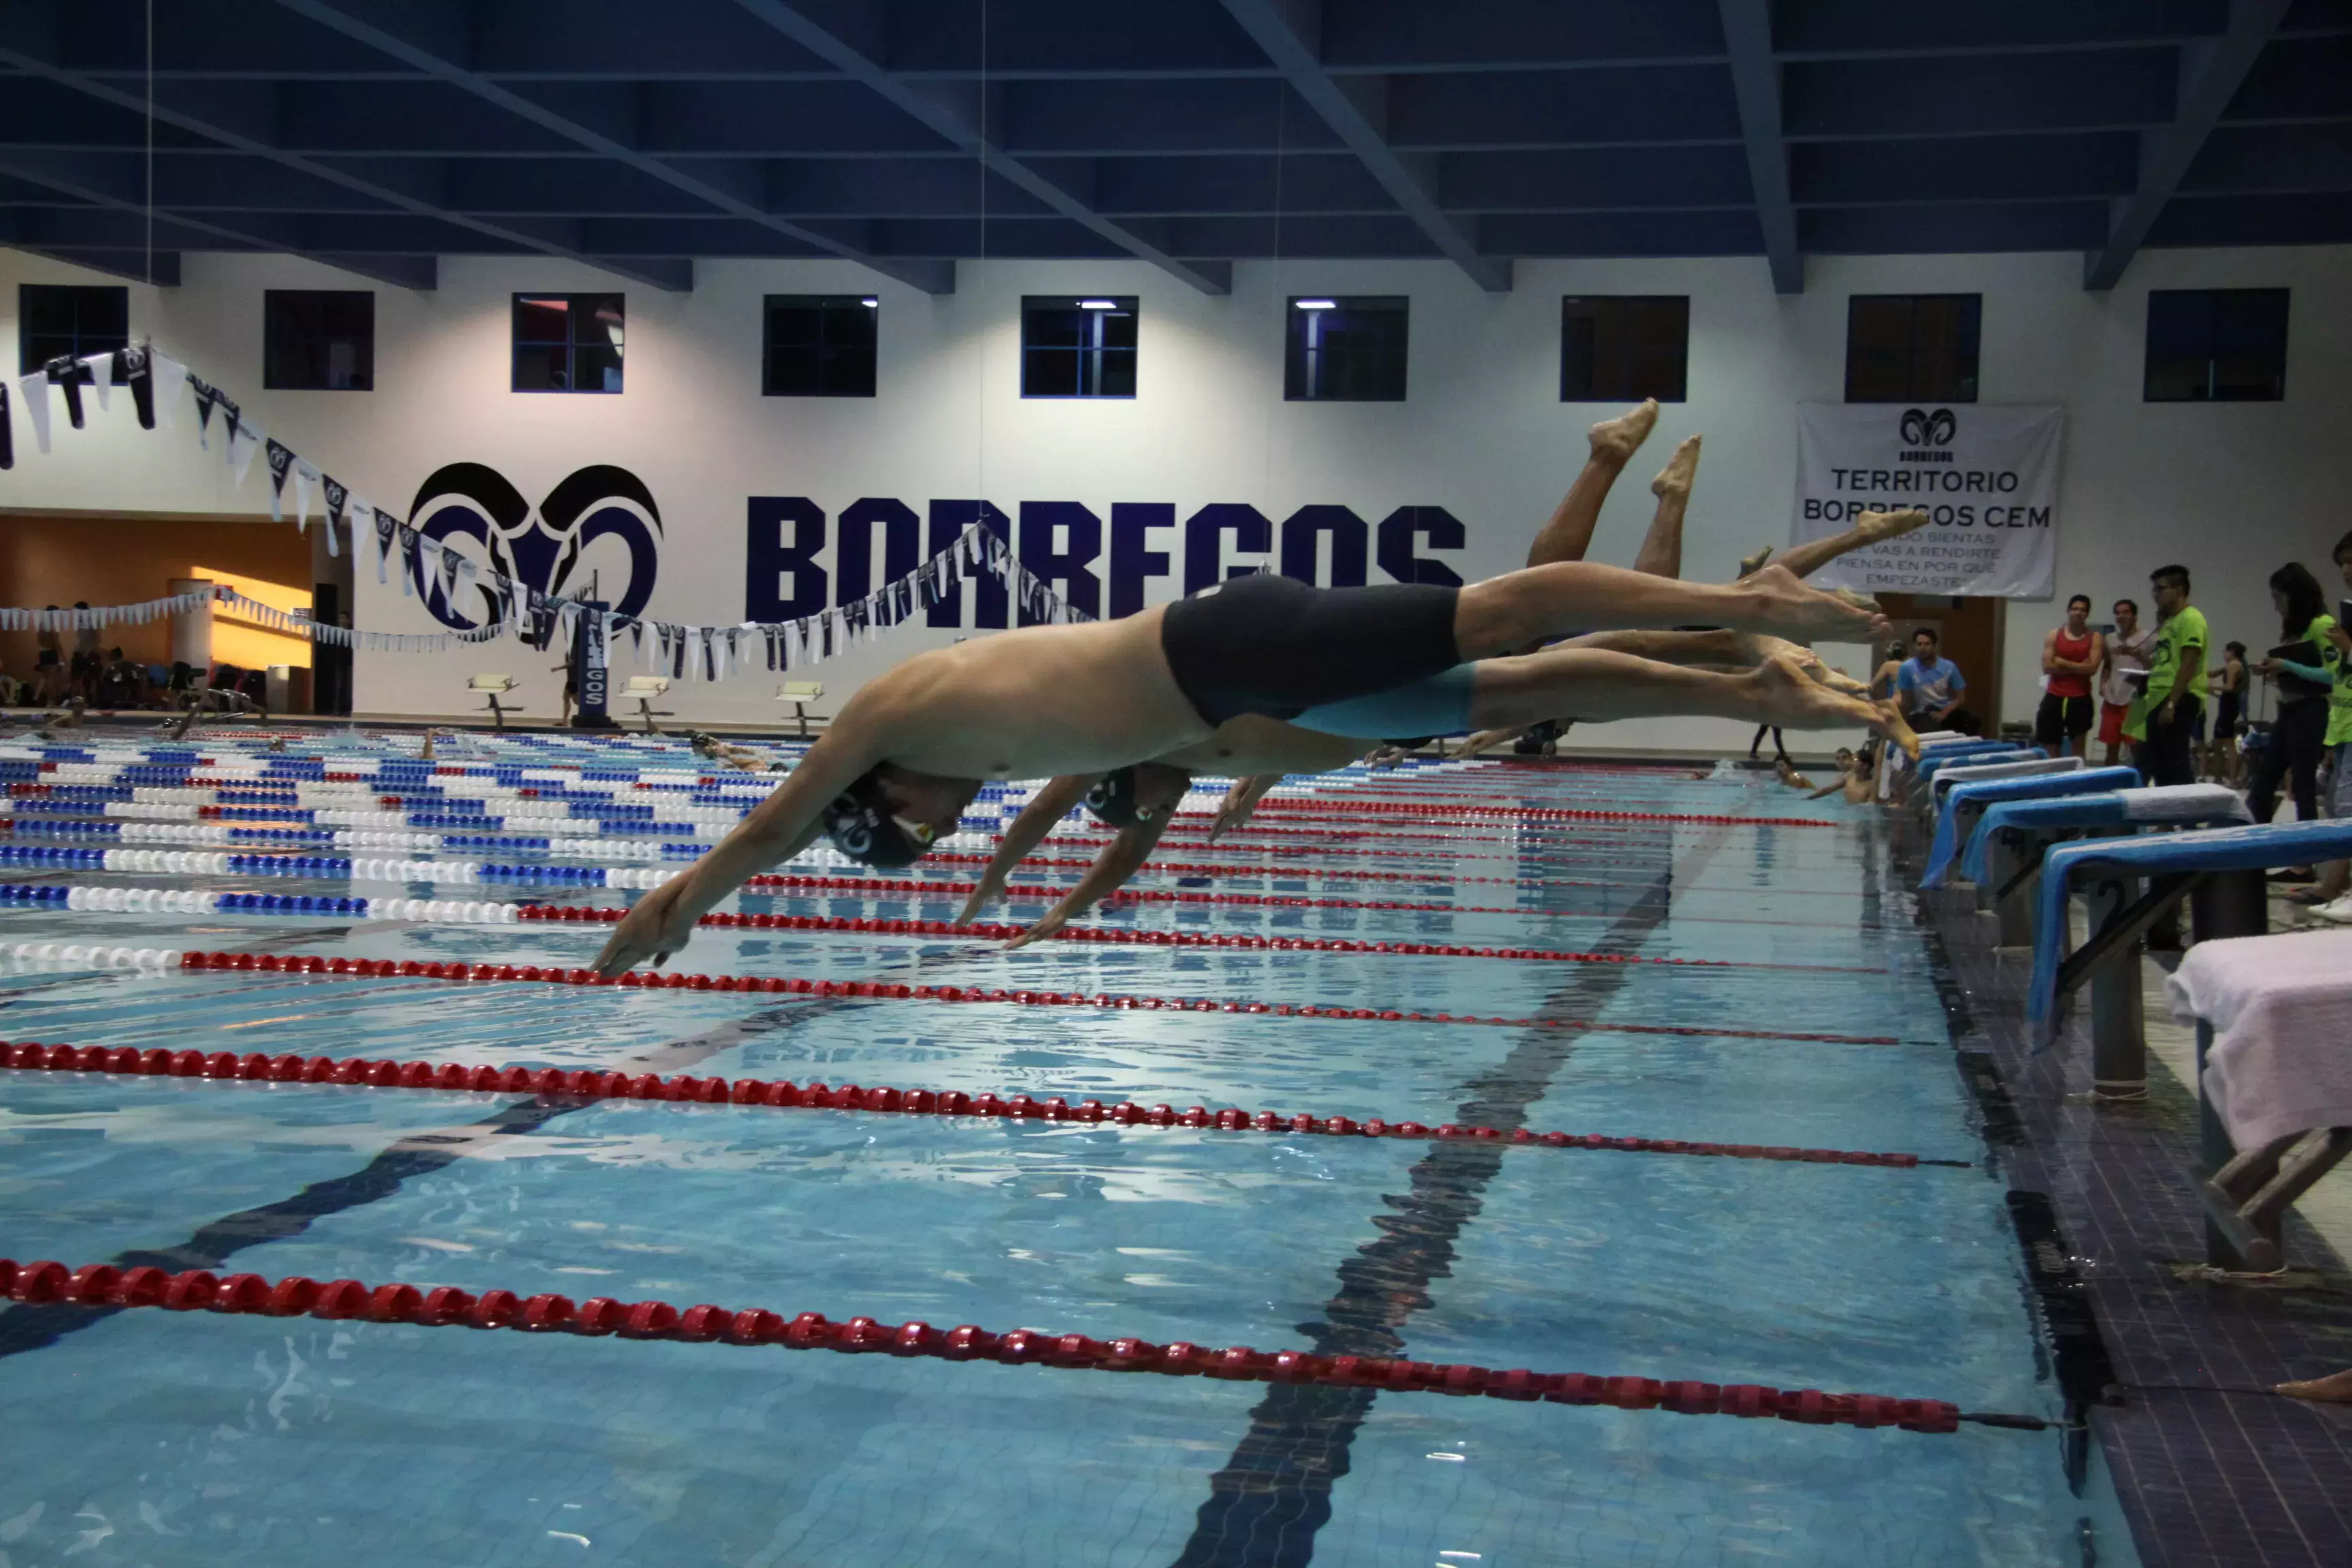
1487,739
776,829
1046,808
1120,859
1240,801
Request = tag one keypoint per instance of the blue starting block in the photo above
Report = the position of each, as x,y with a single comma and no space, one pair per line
1966,801
2217,870
2006,849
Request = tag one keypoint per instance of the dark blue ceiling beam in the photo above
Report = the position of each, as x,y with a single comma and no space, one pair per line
1406,37
250,124
1952,226
1756,88
1634,107
112,184
1726,233
1981,95
1591,179
131,267
2309,81
2322,218
1057,37
95,230
854,38
2209,78
2254,158
1967,168
1358,110
437,39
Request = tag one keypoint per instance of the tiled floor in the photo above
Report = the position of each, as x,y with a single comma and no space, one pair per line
2214,1469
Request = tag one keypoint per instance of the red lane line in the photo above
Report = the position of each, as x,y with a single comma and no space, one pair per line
1127,936
878,888
640,980
1339,806
103,1285
256,1067
1325,873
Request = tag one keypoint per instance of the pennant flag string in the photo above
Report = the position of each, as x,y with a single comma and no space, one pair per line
689,653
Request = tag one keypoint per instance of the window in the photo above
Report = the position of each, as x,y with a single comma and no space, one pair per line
1900,347
567,343
1345,349
75,319
1623,348
1077,345
819,345
2216,345
317,340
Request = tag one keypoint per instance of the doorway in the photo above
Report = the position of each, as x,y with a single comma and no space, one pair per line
1969,631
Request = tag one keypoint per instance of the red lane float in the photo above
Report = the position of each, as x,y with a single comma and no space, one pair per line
997,931
102,1285
385,969
782,1094
879,886
1340,806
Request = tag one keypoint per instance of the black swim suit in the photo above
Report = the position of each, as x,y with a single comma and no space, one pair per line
1276,647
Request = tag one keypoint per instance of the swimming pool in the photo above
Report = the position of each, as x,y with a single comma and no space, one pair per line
1754,980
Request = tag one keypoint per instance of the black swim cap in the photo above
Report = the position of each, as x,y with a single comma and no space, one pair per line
1112,799
860,825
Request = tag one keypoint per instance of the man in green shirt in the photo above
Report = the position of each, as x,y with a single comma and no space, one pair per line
2163,717
2335,888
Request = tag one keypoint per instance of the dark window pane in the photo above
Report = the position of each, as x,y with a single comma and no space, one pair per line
542,321
1049,373
1905,347
2216,345
75,319
1345,349
568,343
317,340
1114,373
819,345
1623,348
538,367
1078,345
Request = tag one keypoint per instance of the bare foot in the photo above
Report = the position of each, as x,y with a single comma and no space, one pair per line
1878,527
1790,698
1896,728
1791,610
1675,477
1751,564
1620,436
2335,1388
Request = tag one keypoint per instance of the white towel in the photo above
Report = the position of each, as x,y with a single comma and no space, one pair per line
2182,803
2281,1008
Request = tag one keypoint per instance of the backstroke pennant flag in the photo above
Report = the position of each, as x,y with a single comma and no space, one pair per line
1986,474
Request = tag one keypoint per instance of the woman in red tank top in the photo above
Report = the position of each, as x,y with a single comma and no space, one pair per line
2070,657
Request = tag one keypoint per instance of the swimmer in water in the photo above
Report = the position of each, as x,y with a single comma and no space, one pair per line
742,758
911,748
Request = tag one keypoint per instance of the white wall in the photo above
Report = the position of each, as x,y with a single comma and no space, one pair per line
2230,490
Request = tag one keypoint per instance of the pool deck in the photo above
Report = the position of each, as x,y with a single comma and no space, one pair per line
2213,1470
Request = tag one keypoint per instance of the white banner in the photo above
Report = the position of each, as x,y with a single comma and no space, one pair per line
1986,475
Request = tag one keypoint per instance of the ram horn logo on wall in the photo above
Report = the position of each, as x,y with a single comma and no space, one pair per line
540,549
1922,428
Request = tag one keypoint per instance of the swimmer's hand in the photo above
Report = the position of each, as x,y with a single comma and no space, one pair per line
991,885
1787,607
1234,810
657,927
1055,920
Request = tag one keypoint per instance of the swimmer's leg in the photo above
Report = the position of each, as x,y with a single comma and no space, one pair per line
1661,547
1569,535
1873,528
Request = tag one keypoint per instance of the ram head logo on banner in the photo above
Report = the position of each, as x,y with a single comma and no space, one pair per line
548,549
1924,428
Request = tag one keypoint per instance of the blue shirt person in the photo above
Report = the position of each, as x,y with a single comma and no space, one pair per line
1930,685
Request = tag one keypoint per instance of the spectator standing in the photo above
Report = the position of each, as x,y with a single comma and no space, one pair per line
2333,892
86,662
1931,686
2163,717
2299,733
2071,655
2126,652
2229,709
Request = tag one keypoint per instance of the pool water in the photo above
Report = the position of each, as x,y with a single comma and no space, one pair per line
146,1435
